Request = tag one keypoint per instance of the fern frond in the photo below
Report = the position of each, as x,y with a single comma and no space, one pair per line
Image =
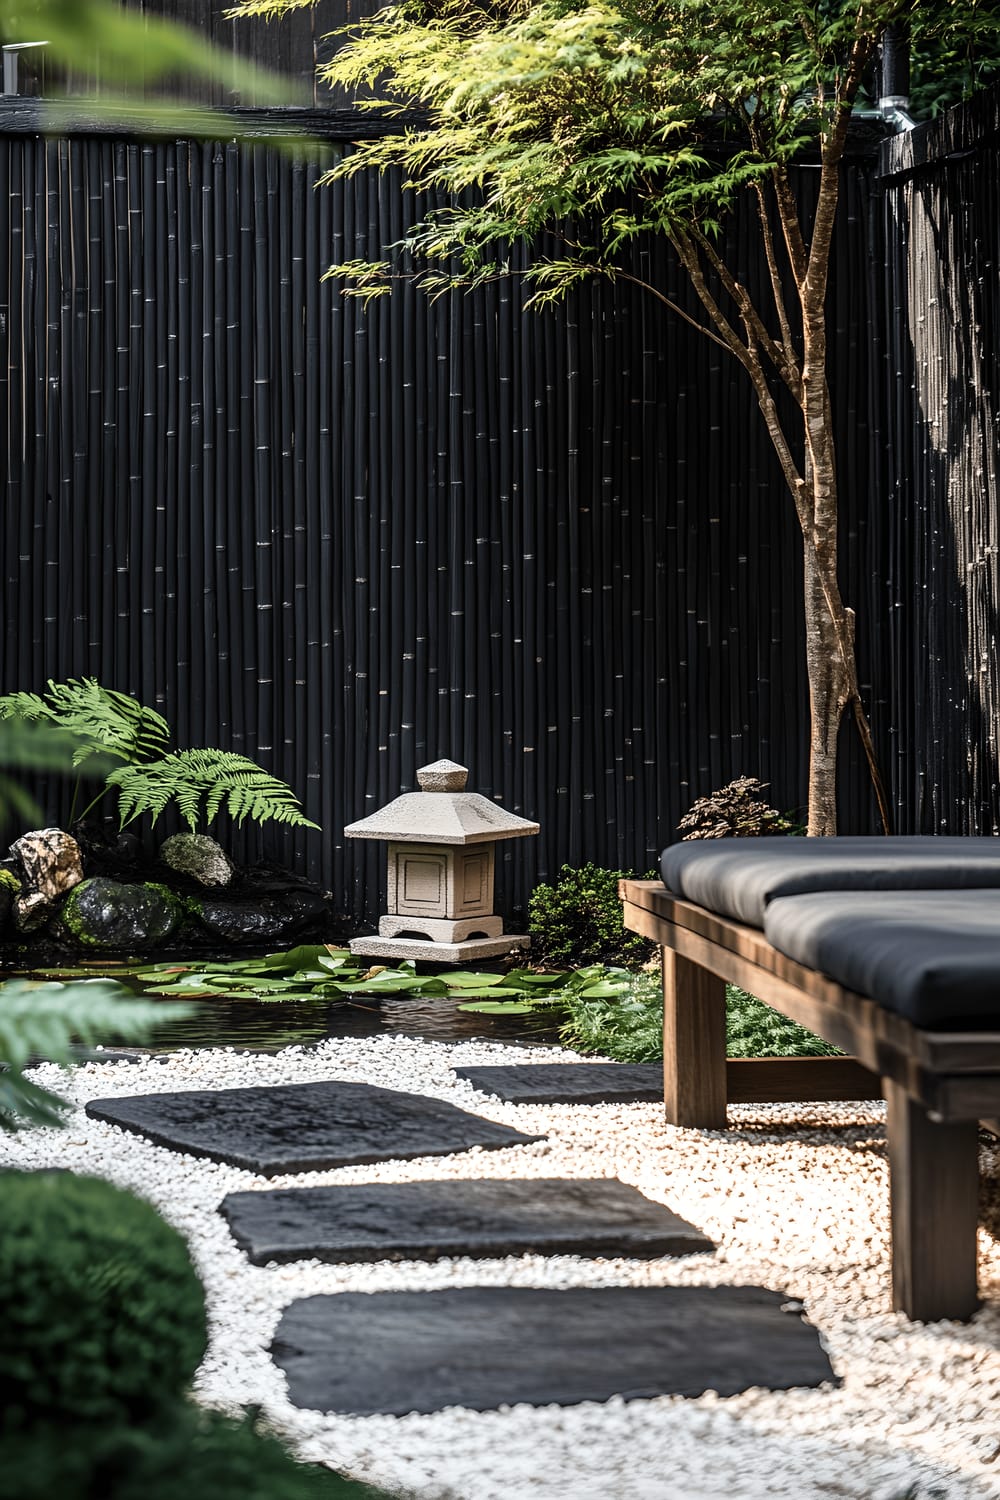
45,1020
187,777
99,720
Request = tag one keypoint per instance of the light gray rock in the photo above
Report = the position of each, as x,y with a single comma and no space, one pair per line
51,862
199,857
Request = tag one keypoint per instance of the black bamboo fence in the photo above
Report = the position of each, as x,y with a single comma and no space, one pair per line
345,541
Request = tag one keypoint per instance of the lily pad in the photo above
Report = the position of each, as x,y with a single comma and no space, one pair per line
461,980
499,1008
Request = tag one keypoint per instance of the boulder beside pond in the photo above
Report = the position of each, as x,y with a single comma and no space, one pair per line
105,914
198,857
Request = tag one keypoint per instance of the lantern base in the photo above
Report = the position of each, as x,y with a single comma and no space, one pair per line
440,929
424,951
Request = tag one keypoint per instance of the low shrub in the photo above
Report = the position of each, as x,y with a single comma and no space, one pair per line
104,1314
578,921
190,1454
736,811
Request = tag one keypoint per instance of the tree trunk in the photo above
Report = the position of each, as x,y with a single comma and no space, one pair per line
829,694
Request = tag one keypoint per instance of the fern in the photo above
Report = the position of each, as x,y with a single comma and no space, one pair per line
99,720
45,1020
221,778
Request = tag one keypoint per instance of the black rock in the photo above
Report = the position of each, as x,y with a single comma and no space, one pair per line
298,1127
103,913
483,1347
569,1083
255,920
427,1220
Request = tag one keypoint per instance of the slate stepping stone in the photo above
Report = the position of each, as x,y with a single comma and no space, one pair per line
570,1083
298,1127
425,1220
483,1347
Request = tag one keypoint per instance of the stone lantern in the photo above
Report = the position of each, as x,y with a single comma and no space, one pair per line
441,849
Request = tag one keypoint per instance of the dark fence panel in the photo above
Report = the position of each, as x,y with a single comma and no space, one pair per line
941,526
555,547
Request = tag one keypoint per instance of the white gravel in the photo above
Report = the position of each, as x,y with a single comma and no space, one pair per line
794,1196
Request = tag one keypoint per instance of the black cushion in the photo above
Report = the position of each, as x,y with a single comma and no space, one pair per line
932,956
738,878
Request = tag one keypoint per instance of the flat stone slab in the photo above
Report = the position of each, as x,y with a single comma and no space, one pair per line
425,1220
298,1127
423,950
483,1347
569,1083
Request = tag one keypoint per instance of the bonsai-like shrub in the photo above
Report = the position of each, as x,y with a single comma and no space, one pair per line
189,1454
104,1314
736,811
578,921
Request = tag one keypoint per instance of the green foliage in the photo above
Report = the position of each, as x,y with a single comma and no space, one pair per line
630,1029
217,776
736,811
133,46
44,1020
97,720
579,920
36,746
602,120
319,972
104,1315
190,1454
103,723
755,1030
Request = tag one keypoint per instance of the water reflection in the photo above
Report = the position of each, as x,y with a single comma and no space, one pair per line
266,1027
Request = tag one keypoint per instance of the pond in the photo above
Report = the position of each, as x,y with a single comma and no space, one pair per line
267,1026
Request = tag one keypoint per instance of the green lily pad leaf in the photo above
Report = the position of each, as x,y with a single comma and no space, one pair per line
302,957
186,991
388,984
461,980
605,990
535,980
495,993
499,1008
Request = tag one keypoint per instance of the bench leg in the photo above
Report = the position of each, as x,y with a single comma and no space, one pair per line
694,1044
934,1196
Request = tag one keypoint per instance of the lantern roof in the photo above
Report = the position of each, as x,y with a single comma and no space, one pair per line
442,812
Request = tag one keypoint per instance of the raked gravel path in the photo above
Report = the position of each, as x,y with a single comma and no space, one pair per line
794,1196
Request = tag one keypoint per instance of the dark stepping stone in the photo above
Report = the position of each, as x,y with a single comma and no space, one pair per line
483,1347
570,1083
298,1127
425,1220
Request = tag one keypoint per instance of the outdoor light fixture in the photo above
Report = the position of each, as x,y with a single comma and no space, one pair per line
441,864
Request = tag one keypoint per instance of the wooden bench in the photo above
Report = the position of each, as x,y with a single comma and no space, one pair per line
937,1085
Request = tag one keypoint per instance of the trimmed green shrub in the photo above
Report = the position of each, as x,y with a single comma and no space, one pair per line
190,1454
578,921
104,1314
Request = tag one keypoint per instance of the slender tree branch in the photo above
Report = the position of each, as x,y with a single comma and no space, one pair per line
749,359
791,227
752,320
771,254
673,306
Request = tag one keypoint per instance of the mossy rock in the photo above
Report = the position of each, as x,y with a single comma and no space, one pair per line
104,1314
102,913
10,890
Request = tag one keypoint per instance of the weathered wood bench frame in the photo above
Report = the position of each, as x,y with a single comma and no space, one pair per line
937,1085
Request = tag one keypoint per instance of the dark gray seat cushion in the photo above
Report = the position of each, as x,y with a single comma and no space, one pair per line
931,956
738,878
